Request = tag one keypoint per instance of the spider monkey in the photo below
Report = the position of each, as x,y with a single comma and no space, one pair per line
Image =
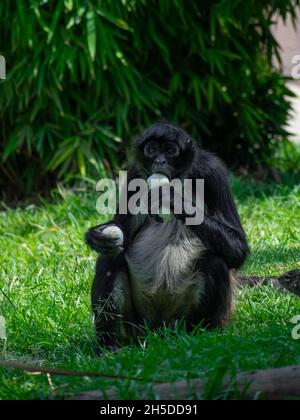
162,272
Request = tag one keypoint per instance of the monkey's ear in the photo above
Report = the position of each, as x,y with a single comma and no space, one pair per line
186,142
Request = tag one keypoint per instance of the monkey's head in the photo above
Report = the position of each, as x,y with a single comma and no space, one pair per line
167,149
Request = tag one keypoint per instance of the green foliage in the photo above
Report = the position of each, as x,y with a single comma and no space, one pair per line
85,76
287,158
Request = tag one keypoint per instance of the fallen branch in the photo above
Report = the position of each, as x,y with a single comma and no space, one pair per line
271,384
63,372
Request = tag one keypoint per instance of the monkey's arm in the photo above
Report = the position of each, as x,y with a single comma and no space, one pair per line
224,239
115,236
221,230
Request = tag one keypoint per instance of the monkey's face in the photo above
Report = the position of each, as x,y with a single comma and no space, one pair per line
161,157
167,150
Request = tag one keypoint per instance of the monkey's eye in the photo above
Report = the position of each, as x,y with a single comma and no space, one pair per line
150,150
172,151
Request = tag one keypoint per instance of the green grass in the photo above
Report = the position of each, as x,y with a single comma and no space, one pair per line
45,277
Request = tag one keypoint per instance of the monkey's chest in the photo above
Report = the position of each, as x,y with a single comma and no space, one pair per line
162,264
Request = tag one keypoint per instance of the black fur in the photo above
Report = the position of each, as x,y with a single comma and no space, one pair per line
221,233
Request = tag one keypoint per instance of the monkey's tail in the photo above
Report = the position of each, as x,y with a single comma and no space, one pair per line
289,281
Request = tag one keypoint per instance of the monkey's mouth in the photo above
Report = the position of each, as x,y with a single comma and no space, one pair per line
158,169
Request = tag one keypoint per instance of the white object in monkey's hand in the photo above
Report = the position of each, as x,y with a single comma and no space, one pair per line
115,233
155,181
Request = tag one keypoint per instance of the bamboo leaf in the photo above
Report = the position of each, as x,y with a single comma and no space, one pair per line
13,144
91,34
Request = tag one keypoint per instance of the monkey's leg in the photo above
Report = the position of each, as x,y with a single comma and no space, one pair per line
111,301
289,281
215,304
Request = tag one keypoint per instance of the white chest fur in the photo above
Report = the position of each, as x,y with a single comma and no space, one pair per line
161,262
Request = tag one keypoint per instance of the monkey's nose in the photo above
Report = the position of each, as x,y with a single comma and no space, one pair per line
161,161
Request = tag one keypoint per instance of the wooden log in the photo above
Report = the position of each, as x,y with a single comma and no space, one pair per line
270,384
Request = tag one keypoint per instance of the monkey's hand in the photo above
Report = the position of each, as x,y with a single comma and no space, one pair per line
107,239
